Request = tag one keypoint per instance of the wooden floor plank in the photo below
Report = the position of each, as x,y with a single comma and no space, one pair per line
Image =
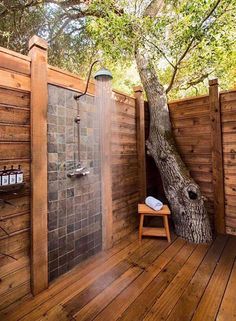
15,294
74,302
154,281
91,310
212,297
78,301
70,278
228,307
114,310
55,314
138,309
139,262
185,307
143,262
82,283
163,306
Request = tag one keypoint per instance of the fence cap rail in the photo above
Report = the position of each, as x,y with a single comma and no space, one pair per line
138,89
39,42
187,99
213,82
14,54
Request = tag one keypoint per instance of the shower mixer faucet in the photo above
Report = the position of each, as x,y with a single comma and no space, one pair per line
79,171
105,74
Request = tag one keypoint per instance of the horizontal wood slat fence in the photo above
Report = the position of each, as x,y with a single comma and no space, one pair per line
15,216
25,214
22,119
205,132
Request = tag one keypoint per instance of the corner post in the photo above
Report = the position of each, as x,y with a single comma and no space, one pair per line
139,103
38,103
217,157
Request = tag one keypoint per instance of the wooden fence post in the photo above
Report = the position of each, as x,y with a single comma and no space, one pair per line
39,94
139,103
217,157
106,171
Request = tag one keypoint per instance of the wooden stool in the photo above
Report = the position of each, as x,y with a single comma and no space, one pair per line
143,210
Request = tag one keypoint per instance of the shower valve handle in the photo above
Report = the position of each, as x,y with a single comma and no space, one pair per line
77,119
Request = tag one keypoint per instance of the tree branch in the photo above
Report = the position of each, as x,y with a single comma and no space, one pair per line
161,52
82,12
189,46
198,80
58,33
153,8
68,3
172,79
3,13
13,8
76,29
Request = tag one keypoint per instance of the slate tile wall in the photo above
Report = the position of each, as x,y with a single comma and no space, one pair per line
74,205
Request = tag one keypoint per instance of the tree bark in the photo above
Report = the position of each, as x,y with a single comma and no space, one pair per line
189,214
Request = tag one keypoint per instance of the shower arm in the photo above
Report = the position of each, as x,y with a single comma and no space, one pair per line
77,119
76,97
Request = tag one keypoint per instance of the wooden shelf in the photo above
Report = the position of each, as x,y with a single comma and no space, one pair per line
11,188
154,231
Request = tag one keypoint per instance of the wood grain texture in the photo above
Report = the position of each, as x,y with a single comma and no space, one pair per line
125,167
142,304
13,115
217,157
185,307
165,303
39,250
14,133
141,150
79,282
9,60
228,308
213,295
68,80
104,106
155,281
15,150
12,80
228,108
14,98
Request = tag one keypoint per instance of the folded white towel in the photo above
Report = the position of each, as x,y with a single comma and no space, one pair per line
153,203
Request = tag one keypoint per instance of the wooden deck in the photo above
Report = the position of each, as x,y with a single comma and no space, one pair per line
156,281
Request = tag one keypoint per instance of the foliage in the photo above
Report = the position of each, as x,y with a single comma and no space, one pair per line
189,41
18,22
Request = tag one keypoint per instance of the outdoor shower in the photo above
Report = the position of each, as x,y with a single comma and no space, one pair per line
102,73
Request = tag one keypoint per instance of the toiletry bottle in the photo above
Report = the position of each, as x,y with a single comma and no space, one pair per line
5,177
1,177
12,176
19,175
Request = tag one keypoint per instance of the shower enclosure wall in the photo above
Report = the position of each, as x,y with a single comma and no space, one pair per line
74,207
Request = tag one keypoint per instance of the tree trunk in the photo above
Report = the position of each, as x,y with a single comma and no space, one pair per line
189,214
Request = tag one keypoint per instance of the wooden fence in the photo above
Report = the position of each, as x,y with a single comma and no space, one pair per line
23,140
205,132
125,189
228,115
15,149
